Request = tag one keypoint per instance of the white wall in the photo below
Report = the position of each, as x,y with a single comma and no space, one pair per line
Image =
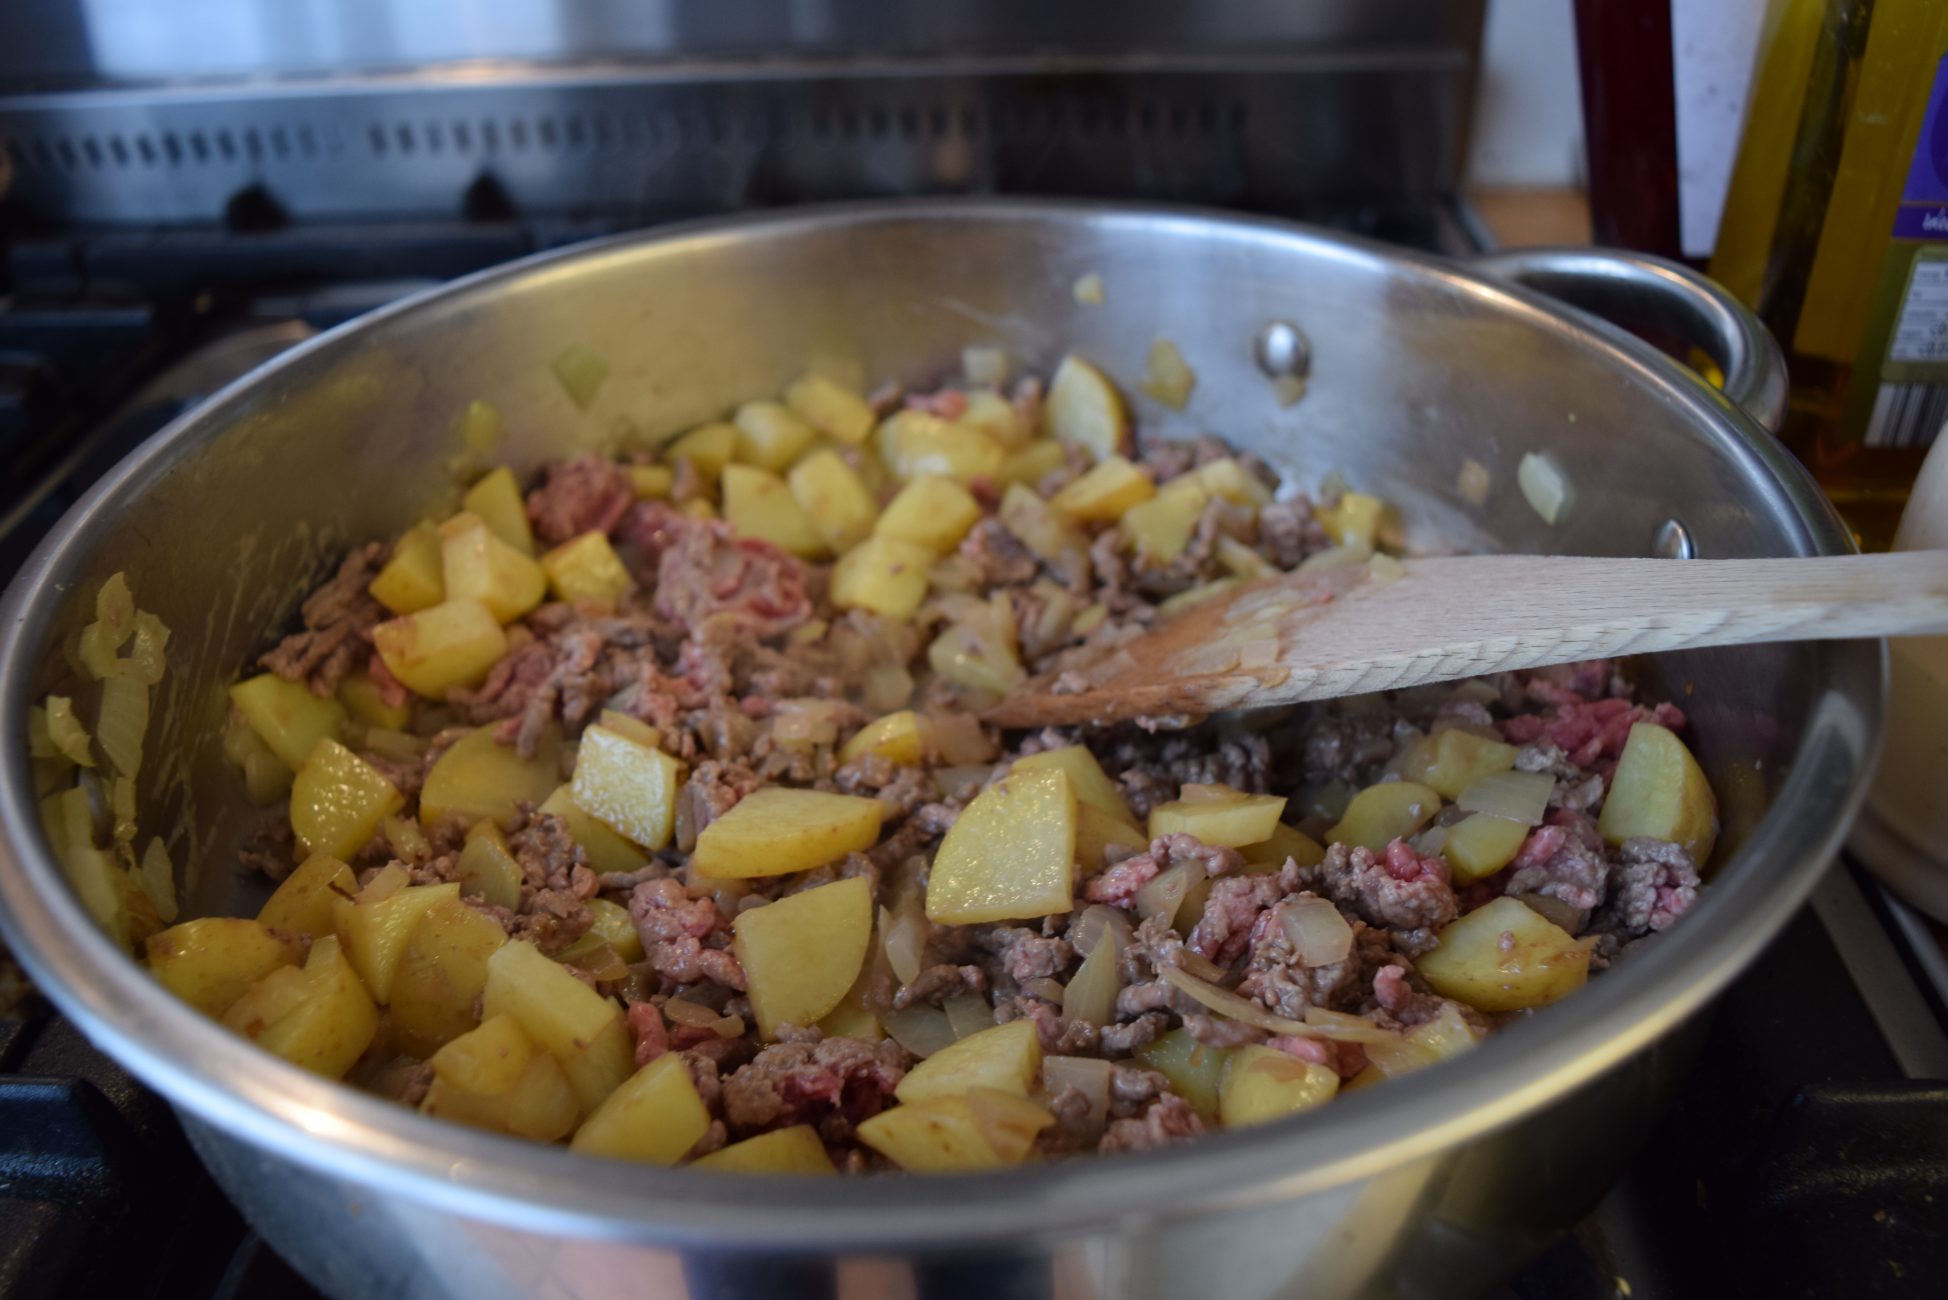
1528,127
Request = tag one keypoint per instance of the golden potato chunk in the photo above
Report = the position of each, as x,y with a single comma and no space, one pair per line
1194,1070
1481,844
211,962
1381,814
317,1016
1032,462
1451,761
1284,842
496,498
794,1150
450,644
1084,408
1105,493
802,953
440,974
486,868
651,482
1161,527
1096,830
628,786
833,496
375,924
338,800
777,830
1659,791
288,717
587,568
979,1129
605,850
830,407
770,436
1247,819
929,511
413,577
1504,957
1006,1058
905,737
479,778
480,566
980,648
757,503
363,699
581,1029
883,575
301,904
1228,478
708,448
488,1059
1086,778
1262,1084
1010,855
653,1118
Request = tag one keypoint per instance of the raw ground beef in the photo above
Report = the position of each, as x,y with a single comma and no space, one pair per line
732,650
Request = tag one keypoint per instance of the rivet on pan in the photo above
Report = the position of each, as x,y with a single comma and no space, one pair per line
1282,351
1672,541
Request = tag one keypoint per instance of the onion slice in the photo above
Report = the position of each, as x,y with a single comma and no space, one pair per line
920,1029
1091,994
1086,1074
970,1013
1096,920
1518,796
1342,1028
1319,935
1229,1004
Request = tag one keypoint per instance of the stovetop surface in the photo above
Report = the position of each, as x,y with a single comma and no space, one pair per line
1808,1156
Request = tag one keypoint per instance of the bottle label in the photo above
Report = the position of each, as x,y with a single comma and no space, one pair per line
1910,402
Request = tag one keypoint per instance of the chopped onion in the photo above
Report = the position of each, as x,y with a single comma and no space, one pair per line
1088,1075
805,724
145,656
1342,1028
970,1013
409,843
680,1011
1089,289
124,717
984,364
115,609
903,931
1287,389
1543,485
920,1029
1202,967
961,739
1555,911
66,732
728,1027
159,880
1096,920
1319,935
1473,483
1227,1003
1164,894
1327,801
1045,988
1383,569
399,746
1166,376
963,782
1091,994
121,810
602,963
1519,796
1430,843
886,688
1335,557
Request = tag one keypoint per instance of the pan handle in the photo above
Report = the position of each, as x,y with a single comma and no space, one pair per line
1635,289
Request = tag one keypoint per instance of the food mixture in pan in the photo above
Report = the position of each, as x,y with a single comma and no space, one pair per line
648,807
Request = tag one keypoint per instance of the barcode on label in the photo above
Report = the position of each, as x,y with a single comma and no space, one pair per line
1907,415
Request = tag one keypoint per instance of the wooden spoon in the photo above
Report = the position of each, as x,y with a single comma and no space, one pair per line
1358,628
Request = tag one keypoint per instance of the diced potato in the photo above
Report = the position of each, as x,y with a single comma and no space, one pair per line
1248,820
852,1019
758,504
1504,957
1284,842
450,644
1262,1084
301,904
1659,791
375,925
1084,408
580,370
479,426
1032,462
1480,845
777,830
317,1016
338,800
1450,761
929,511
628,786
609,927
583,1030
486,869
587,568
980,1129
480,566
457,1105
708,448
1353,520
1228,478
1383,813
1043,530
770,436
413,577
802,953
654,1118
840,506
1194,1070
1096,830
1086,777
489,1059
543,1106
651,482
211,962
830,407
1166,377
979,649
794,1150
440,975
905,737
1161,527
884,575
912,443
1104,493
288,717
478,777
366,703
1006,1057
606,851
497,499
1010,855
996,416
